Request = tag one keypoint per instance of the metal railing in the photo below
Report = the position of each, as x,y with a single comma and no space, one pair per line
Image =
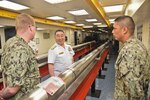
81,67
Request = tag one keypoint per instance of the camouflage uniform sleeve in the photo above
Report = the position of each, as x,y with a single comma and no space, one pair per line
131,72
18,68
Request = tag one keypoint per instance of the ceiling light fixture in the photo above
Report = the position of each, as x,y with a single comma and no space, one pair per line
97,23
69,22
56,1
55,18
111,20
80,24
116,8
103,25
78,12
91,20
87,26
12,5
40,29
1,26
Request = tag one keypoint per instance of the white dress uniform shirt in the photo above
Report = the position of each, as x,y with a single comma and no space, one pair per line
60,57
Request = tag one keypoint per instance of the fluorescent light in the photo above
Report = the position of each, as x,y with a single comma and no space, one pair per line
1,26
78,12
87,26
116,8
80,24
12,5
56,1
55,18
111,20
70,22
90,31
39,29
91,20
103,25
97,23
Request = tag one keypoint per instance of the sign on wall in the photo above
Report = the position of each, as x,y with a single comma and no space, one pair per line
46,35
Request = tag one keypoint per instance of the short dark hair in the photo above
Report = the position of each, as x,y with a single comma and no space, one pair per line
59,31
127,21
66,38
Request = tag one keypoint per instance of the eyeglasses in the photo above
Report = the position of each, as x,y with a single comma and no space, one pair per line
33,26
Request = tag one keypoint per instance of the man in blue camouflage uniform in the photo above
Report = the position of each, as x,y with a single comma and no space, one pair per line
19,65
133,63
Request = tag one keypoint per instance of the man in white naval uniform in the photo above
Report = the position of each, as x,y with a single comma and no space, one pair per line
60,56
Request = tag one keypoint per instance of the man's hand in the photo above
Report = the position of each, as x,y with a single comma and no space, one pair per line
1,97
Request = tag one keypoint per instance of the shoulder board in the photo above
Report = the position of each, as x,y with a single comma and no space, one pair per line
61,53
53,47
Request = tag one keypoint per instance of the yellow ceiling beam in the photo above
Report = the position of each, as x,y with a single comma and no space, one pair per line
12,15
99,10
